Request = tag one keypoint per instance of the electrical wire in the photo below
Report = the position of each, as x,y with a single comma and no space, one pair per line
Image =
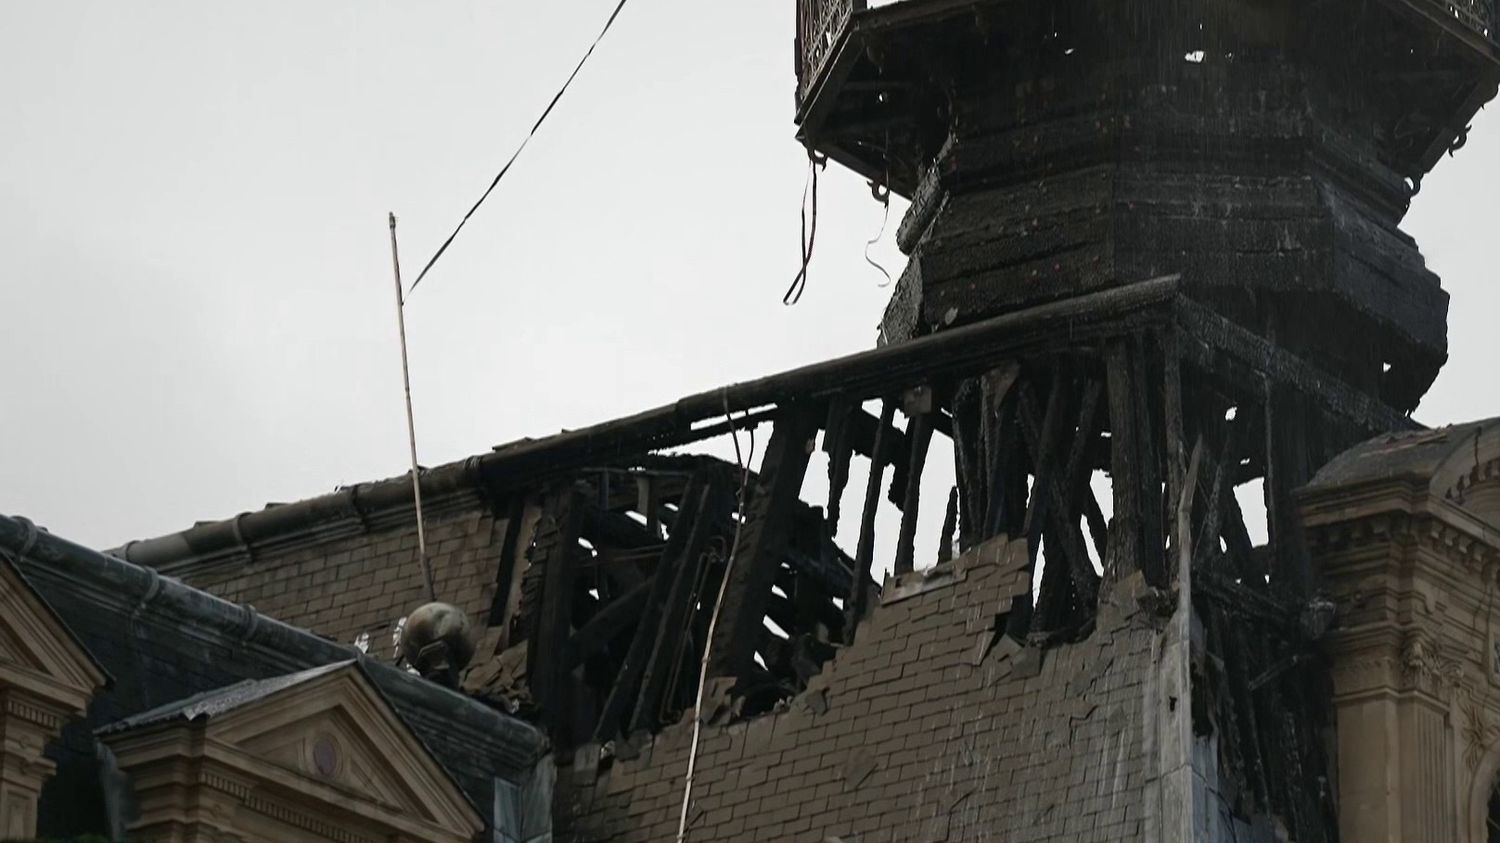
815,162
517,154
882,195
713,619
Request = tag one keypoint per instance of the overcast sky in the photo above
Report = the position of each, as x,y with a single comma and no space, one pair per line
198,311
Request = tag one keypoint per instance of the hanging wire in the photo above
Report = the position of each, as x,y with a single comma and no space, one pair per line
713,619
517,154
815,162
882,194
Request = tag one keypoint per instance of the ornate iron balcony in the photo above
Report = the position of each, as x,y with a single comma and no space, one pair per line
1478,15
820,25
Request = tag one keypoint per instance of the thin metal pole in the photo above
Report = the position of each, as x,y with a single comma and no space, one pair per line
411,424
713,620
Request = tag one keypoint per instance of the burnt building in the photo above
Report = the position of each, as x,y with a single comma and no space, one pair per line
1155,260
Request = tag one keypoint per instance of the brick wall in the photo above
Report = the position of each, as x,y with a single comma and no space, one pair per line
920,731
341,587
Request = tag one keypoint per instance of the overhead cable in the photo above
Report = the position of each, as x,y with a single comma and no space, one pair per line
815,162
522,147
882,195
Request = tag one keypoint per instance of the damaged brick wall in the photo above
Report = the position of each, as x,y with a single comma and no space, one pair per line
343,586
926,729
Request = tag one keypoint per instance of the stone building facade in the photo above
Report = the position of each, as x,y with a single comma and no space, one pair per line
1407,530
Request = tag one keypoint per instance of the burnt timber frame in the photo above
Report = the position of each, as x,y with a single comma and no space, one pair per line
1126,384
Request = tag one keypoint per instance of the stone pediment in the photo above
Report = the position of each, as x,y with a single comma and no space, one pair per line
322,745
46,679
38,653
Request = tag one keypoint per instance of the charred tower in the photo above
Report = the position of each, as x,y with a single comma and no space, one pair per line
1258,157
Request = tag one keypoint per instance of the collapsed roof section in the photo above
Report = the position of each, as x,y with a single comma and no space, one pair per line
612,552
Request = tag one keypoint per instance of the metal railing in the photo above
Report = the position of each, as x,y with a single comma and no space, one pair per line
1478,15
819,25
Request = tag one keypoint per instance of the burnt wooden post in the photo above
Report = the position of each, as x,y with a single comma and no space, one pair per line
857,602
556,557
919,434
764,537
1123,553
839,446
685,565
685,532
1289,465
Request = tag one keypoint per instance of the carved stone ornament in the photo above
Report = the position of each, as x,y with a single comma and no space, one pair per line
1479,731
1426,668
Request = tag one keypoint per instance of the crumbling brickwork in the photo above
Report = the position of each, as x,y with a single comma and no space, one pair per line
926,729
365,582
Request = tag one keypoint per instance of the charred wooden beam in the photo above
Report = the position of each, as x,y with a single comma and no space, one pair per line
1289,465
863,429
950,527
1074,489
686,572
857,601
508,573
1222,518
648,502
968,463
840,448
1006,481
549,670
919,436
1054,496
764,538
960,352
1135,536
612,529
1251,361
616,617
623,692
1179,488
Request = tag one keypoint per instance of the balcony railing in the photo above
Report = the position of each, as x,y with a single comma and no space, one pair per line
819,25
1478,15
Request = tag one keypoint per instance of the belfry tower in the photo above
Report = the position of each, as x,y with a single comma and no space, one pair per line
1256,155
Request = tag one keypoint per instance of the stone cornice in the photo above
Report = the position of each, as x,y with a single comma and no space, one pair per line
261,804
1439,527
37,714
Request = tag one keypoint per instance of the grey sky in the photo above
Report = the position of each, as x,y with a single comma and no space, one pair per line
193,200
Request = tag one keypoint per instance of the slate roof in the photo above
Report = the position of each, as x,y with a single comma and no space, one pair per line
164,641
211,704
1417,456
5,560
